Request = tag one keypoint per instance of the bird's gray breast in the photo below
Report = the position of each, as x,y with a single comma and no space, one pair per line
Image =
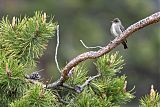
115,29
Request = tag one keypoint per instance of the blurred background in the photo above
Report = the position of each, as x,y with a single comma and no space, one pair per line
89,20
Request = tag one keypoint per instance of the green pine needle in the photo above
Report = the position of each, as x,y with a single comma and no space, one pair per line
108,90
12,82
36,96
26,38
110,64
148,101
78,76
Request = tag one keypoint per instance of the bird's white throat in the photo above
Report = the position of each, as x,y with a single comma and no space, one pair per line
113,28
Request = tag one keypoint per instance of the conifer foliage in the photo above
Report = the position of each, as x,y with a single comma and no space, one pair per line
26,38
151,100
108,90
22,40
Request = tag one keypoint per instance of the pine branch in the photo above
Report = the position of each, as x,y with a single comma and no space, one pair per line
154,18
80,88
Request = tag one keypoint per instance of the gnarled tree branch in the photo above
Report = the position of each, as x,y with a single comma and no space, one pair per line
154,18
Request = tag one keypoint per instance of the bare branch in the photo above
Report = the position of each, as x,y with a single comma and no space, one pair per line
90,47
79,89
154,18
57,49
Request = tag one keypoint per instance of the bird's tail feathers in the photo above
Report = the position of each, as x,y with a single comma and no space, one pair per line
124,44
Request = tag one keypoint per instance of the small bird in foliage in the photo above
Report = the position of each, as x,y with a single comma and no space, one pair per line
116,29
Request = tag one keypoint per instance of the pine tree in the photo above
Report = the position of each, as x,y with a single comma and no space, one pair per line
23,40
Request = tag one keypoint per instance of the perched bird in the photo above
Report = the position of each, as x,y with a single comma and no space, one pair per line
117,29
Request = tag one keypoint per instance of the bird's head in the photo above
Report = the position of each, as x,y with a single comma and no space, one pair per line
116,20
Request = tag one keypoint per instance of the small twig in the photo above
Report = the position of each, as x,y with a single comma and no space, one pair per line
79,89
90,47
39,70
57,49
